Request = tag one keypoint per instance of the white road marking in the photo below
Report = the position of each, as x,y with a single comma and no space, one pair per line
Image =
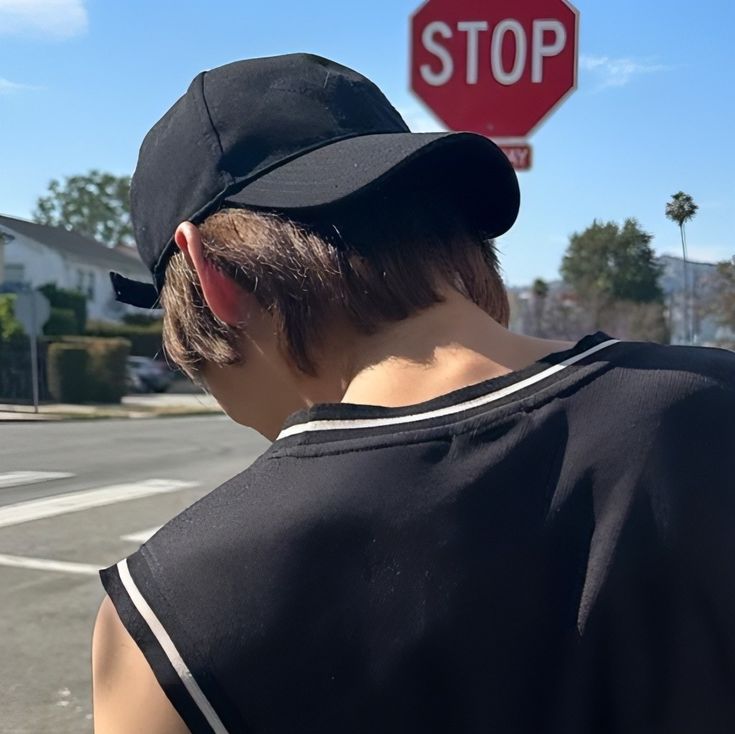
141,536
77,501
44,564
18,478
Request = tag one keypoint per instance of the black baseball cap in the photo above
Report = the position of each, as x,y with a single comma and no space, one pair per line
287,133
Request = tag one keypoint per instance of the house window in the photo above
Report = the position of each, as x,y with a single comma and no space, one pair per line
15,273
85,283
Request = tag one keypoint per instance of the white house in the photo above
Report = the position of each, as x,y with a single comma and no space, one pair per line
36,254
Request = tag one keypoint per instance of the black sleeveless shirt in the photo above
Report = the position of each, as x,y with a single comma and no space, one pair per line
551,551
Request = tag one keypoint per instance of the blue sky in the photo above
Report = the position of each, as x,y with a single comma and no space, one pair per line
81,81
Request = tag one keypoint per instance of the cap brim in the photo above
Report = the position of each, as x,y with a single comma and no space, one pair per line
339,170
344,168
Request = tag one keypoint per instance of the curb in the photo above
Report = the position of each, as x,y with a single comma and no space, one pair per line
128,415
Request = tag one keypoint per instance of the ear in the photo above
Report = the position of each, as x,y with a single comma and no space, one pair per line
227,300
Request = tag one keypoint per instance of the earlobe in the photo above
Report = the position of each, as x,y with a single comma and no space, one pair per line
226,299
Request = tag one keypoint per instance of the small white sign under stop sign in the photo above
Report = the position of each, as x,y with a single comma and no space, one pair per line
519,154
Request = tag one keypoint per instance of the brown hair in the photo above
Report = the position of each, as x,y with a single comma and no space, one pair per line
377,259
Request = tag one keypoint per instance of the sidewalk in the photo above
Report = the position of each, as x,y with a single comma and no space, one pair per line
132,406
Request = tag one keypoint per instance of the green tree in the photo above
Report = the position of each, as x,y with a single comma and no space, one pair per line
609,263
614,273
540,290
95,204
725,293
681,209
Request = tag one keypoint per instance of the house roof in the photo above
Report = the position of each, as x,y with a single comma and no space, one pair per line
81,248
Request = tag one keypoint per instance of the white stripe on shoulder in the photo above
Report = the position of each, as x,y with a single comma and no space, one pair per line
334,425
169,649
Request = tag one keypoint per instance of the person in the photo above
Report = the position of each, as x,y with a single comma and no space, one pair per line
456,528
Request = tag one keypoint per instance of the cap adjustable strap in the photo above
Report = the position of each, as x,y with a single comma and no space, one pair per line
142,295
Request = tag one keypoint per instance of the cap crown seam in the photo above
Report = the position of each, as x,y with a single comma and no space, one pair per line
211,132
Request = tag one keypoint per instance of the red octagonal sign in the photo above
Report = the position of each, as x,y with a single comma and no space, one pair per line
497,67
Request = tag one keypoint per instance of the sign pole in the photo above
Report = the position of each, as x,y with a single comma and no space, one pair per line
34,354
32,309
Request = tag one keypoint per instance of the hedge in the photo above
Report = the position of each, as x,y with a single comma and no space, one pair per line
145,341
68,372
140,319
108,369
102,374
67,300
61,322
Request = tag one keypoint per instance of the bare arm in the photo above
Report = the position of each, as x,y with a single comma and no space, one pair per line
127,696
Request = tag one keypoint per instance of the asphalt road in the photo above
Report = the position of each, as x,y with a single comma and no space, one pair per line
76,497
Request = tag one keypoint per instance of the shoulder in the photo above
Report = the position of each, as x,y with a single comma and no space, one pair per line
675,433
655,428
645,385
694,390
641,391
208,578
678,366
127,696
165,600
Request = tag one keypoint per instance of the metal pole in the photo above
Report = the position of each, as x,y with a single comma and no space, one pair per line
34,352
687,320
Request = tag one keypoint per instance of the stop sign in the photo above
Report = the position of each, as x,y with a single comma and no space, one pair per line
495,68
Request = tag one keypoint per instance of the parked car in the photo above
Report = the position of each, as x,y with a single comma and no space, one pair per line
148,375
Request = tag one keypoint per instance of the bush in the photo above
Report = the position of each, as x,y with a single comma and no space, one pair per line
10,328
100,377
106,374
68,300
108,369
61,322
145,340
140,319
637,321
67,372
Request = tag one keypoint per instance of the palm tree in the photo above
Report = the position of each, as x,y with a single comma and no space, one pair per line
681,209
540,290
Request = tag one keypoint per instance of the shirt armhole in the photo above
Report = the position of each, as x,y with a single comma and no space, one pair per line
131,596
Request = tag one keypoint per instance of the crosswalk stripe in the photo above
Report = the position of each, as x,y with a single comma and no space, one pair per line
22,512
44,564
141,536
18,478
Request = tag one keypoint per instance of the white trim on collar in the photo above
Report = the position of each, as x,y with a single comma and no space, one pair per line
334,425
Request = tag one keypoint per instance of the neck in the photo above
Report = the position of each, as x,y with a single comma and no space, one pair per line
444,348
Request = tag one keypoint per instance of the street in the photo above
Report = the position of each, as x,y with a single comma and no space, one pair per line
76,497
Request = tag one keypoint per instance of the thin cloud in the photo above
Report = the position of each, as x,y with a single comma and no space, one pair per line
619,72
8,87
54,19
